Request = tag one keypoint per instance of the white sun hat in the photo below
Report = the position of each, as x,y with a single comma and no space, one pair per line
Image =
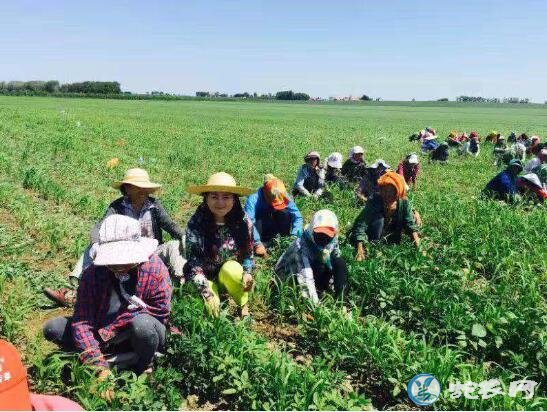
379,162
120,242
356,150
413,159
335,160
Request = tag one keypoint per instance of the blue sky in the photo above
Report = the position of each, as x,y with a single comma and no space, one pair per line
391,49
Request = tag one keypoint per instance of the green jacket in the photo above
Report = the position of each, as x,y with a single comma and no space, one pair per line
403,218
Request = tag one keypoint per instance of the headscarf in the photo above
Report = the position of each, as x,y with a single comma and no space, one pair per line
275,192
395,180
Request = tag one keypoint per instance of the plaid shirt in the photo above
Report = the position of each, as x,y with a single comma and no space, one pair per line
92,328
299,258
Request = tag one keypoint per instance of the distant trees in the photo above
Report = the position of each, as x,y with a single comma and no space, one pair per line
53,86
203,94
479,99
290,95
366,98
443,99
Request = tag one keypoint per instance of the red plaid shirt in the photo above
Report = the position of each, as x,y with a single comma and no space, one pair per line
92,328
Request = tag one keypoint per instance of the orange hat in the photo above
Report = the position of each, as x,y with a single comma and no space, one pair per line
275,193
14,393
395,180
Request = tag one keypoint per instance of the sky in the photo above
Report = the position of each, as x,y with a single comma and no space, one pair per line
396,50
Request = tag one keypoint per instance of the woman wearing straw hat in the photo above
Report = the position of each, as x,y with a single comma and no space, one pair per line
219,243
136,202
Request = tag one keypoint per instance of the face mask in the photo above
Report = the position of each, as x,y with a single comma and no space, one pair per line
321,239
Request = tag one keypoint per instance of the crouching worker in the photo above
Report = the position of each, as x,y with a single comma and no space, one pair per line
136,202
387,215
315,260
310,180
273,213
122,304
219,244
503,186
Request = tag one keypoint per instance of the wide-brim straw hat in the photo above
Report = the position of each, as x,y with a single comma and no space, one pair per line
137,177
220,182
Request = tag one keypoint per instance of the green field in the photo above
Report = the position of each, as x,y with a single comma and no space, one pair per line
474,308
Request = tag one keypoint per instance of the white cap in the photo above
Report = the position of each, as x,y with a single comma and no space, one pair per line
356,150
335,160
413,159
121,243
379,162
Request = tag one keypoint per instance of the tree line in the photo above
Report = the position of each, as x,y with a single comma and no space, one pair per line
53,86
282,95
479,99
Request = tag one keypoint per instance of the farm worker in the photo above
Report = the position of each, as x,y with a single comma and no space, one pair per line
310,179
124,297
385,215
501,152
273,213
14,390
439,154
524,139
535,146
512,138
518,151
504,185
354,167
136,202
536,161
368,185
314,259
219,240
429,143
492,137
409,168
475,135
471,145
530,186
334,170
453,139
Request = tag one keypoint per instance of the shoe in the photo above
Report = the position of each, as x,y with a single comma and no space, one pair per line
64,296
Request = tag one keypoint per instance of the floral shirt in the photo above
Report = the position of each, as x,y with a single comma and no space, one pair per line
204,261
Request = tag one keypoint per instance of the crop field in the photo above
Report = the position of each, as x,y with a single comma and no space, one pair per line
473,308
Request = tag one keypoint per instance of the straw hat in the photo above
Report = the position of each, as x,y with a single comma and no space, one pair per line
121,243
137,177
220,182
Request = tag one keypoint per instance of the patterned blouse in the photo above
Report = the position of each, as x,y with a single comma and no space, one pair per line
205,258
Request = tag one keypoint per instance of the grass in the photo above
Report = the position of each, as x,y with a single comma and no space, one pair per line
473,308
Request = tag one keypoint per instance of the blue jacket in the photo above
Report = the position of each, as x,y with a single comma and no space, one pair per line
503,184
256,205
